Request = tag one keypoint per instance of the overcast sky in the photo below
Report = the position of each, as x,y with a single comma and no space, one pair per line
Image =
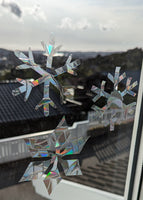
84,25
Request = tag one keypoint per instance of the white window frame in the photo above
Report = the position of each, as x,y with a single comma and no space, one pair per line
136,150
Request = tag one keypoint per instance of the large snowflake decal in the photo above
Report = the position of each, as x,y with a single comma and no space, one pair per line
54,147
115,99
47,76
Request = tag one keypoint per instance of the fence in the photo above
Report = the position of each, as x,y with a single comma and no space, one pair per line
14,148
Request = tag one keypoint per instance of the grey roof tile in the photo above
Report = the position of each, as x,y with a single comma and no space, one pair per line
15,109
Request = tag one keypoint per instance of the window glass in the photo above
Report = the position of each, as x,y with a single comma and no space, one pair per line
95,88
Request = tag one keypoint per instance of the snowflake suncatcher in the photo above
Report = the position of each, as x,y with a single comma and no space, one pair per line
54,147
115,100
47,76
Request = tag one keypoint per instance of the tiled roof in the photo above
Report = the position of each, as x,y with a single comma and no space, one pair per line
104,160
109,176
15,109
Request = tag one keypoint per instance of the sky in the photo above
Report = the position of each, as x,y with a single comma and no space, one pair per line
79,25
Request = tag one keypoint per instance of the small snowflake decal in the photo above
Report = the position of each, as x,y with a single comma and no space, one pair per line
115,100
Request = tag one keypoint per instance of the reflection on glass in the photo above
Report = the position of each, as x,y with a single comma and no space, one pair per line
104,160
109,64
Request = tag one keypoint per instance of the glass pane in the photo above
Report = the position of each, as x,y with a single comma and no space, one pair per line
104,159
95,88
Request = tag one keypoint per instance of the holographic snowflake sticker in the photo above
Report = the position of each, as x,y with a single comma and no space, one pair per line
47,76
115,100
54,147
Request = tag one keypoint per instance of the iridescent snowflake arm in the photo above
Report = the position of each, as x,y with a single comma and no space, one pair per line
53,177
116,79
100,92
29,62
129,88
46,101
28,85
68,67
71,167
35,170
50,50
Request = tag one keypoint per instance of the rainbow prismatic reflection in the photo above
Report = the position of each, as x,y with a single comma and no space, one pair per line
54,146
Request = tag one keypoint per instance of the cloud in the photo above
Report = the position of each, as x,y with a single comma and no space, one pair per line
98,26
14,8
38,13
109,26
83,24
68,23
